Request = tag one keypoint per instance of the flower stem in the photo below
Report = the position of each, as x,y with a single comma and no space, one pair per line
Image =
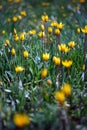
85,47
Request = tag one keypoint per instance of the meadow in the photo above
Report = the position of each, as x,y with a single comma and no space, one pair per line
43,65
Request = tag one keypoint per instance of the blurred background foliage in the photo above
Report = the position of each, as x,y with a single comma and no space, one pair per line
37,99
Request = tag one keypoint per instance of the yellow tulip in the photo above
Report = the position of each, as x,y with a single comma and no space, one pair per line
46,56
22,37
25,54
60,26
14,19
3,32
71,44
23,13
60,97
42,27
67,63
57,31
56,60
84,30
82,1
54,24
21,120
44,73
66,89
19,69
42,34
50,30
44,18
49,82
13,51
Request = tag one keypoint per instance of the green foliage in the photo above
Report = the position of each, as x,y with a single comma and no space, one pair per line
27,91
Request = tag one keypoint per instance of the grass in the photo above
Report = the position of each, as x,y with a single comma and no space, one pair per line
27,92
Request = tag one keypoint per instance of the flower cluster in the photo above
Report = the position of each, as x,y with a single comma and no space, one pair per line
61,95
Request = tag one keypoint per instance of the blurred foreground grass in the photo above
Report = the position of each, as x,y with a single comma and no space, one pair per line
41,61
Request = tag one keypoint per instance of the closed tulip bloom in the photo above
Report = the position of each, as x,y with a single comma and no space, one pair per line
60,97
14,19
15,32
3,32
42,27
44,73
49,82
16,38
19,17
42,34
22,37
57,31
56,60
7,42
66,89
78,30
25,54
23,13
83,67
21,120
13,51
50,30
